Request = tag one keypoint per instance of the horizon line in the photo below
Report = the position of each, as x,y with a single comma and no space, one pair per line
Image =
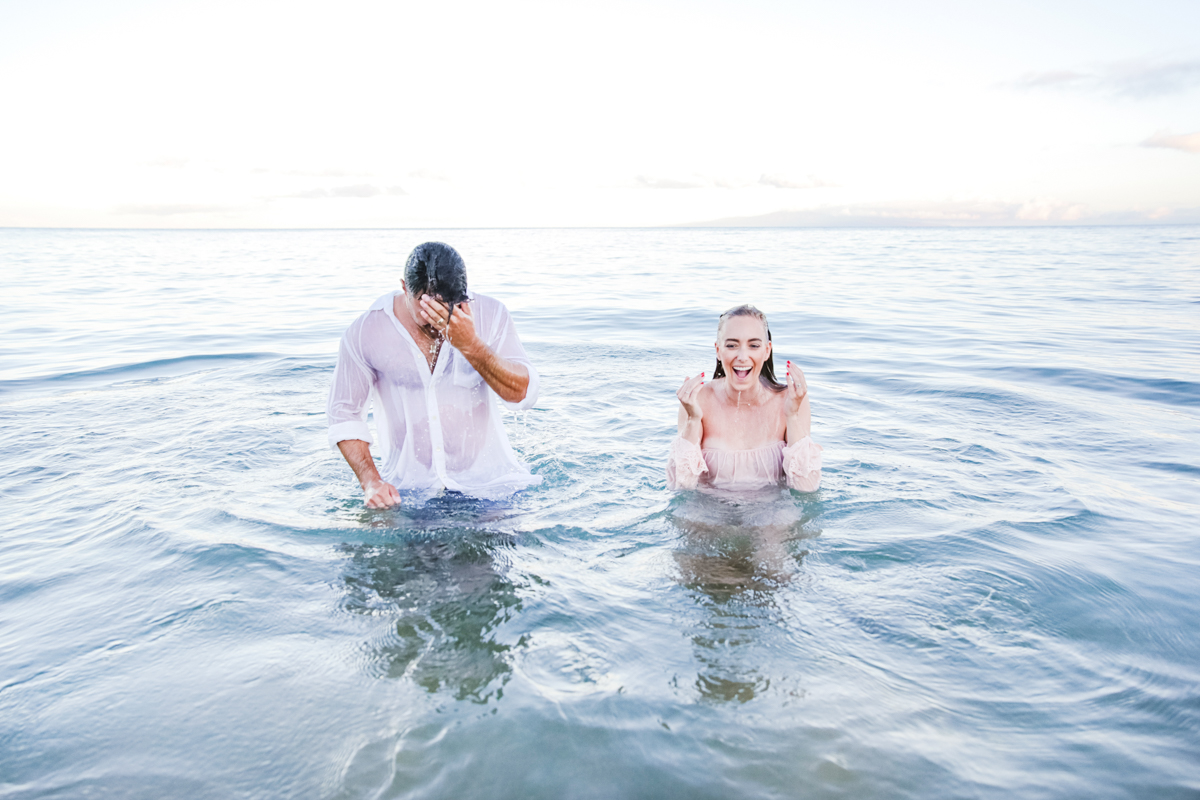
676,226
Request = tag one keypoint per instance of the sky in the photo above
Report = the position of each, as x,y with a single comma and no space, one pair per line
272,114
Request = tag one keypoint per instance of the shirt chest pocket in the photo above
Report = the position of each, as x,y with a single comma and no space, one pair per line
464,375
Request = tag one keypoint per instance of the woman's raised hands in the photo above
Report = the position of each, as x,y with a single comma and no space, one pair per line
797,388
689,396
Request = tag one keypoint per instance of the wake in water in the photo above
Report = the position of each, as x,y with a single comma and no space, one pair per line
988,596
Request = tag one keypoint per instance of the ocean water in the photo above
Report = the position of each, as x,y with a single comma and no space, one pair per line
995,593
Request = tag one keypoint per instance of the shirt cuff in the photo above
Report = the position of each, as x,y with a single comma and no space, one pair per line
353,429
802,465
531,391
685,464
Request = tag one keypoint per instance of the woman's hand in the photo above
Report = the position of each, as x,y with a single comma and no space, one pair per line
691,425
689,397
797,389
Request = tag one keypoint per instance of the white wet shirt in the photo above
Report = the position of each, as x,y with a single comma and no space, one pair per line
436,430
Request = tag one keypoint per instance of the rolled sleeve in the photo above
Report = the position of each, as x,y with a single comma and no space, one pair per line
505,342
531,391
346,411
341,431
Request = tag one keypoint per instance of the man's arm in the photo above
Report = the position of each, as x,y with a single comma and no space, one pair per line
346,412
379,493
507,378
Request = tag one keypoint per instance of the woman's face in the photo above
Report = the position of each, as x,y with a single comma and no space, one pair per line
742,347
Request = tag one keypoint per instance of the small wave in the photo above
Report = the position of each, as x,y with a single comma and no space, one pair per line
144,370
1173,467
1162,390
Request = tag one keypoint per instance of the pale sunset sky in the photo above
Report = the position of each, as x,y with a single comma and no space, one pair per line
265,114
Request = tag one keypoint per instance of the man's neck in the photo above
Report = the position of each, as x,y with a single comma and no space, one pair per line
403,312
429,342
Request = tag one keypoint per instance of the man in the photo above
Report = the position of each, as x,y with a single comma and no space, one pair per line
436,406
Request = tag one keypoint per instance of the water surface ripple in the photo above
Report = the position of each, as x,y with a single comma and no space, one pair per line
994,594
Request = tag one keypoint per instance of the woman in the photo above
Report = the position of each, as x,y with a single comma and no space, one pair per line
745,430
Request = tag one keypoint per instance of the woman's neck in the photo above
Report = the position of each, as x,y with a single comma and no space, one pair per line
746,398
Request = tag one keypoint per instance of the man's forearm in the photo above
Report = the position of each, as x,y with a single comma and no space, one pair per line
358,455
379,493
507,378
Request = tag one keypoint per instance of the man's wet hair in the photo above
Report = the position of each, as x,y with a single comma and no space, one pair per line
767,376
438,270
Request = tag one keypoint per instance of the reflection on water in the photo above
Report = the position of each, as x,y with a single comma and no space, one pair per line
447,596
734,547
734,554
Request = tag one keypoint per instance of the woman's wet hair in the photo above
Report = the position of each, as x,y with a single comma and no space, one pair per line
767,376
438,270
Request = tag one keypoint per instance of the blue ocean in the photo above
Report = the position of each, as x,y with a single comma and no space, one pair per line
995,593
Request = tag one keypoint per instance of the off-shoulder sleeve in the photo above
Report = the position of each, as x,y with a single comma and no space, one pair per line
802,465
685,464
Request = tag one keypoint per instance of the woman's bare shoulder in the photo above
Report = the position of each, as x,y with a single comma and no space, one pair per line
708,392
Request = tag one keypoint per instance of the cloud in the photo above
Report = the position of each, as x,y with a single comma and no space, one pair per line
1037,212
309,173
1132,79
1052,211
357,190
429,175
780,182
698,181
670,183
171,209
1149,80
1187,142
179,162
324,173
1060,77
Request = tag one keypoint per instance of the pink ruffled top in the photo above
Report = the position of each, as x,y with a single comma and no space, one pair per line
689,467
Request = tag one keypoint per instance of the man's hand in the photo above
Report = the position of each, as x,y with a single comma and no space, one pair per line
381,494
458,328
507,379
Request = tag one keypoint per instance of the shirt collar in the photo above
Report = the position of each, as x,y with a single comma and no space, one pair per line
384,302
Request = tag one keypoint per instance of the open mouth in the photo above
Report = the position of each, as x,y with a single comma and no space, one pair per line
741,374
